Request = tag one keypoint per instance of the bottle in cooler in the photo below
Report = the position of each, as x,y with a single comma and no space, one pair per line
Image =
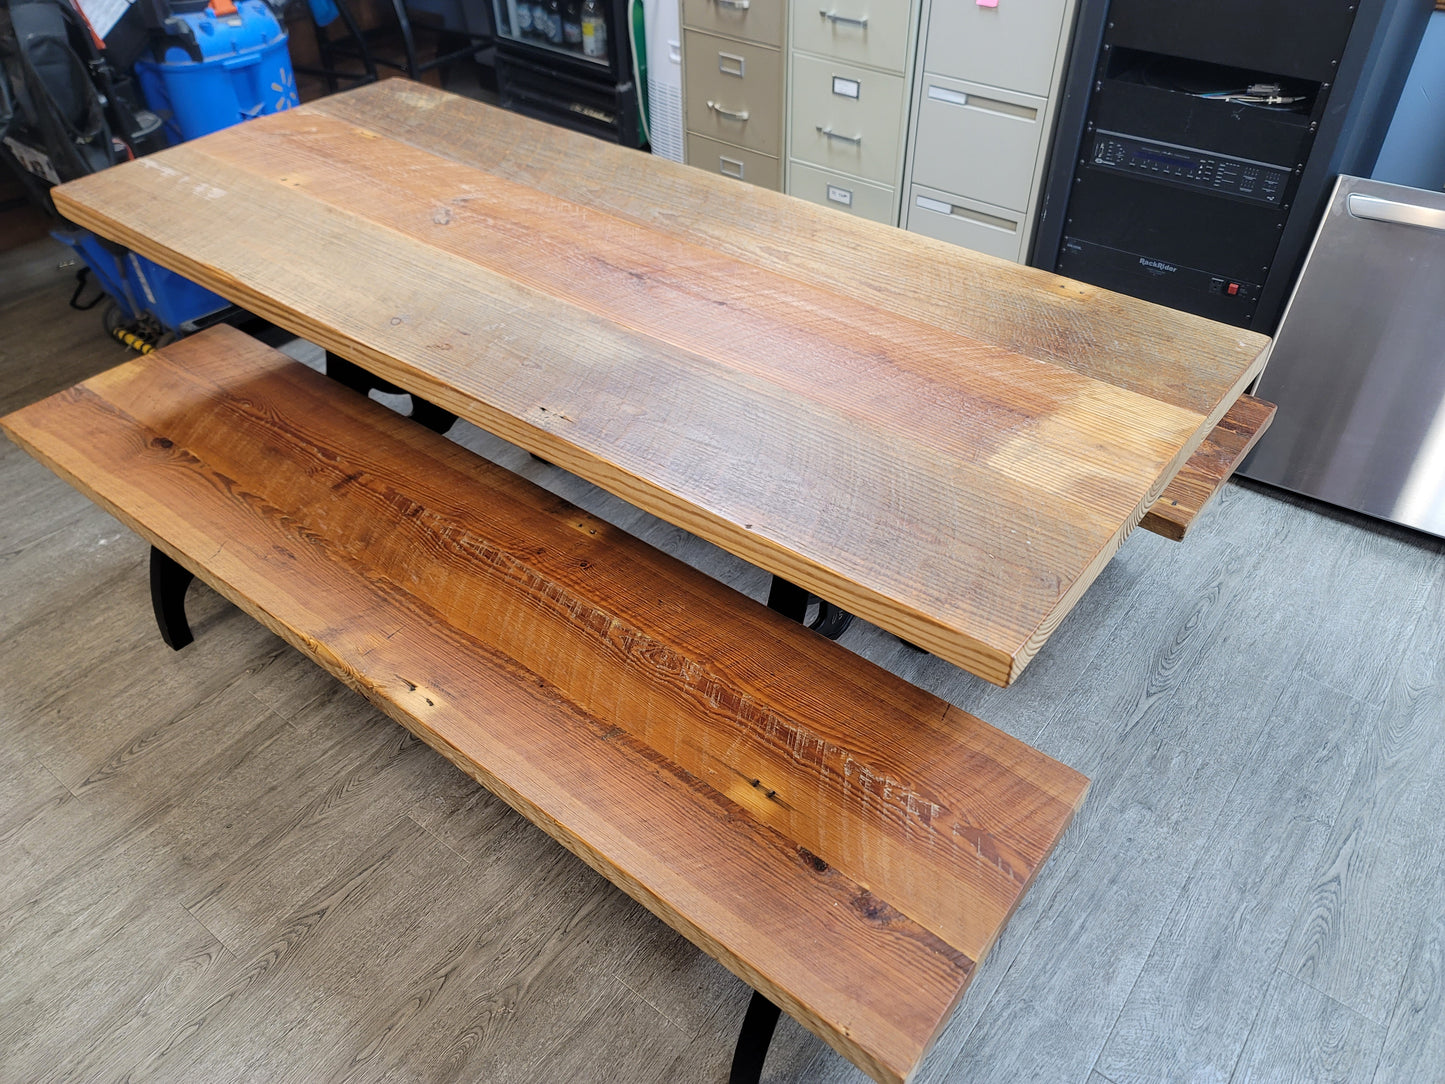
523,19
594,29
572,23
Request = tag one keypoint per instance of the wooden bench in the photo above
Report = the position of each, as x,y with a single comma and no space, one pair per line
1212,464
847,844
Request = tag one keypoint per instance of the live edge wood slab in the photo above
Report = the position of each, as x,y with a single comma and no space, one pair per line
847,844
946,444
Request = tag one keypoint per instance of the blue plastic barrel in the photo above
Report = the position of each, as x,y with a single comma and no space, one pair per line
243,71
139,286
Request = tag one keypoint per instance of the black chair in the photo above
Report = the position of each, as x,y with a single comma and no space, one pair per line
356,44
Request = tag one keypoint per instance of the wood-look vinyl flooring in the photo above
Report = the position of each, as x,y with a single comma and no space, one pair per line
221,865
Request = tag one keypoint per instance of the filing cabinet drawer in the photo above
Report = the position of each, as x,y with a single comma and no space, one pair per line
842,193
847,118
751,20
979,226
734,92
978,141
1013,45
749,166
862,31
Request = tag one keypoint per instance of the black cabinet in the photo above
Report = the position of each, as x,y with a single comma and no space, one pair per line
1197,141
548,68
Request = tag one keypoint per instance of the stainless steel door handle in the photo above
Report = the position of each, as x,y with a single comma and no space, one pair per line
839,136
1375,209
846,20
728,113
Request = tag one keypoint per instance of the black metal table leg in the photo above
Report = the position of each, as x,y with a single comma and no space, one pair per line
790,600
425,412
753,1040
831,621
350,375
169,581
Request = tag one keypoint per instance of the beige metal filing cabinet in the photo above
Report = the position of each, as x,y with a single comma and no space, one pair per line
987,84
732,72
848,103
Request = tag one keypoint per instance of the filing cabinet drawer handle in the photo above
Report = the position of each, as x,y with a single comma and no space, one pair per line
846,20
736,5
982,104
938,206
727,114
839,136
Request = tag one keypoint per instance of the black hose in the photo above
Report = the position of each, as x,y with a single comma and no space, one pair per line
81,277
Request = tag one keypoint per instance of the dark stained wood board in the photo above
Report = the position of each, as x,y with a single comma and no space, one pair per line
844,842
941,485
1213,464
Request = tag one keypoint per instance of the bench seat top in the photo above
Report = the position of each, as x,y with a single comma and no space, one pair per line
1212,464
847,844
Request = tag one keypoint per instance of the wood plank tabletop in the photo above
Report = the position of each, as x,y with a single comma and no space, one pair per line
946,444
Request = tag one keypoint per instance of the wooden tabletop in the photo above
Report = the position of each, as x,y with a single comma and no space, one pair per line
946,444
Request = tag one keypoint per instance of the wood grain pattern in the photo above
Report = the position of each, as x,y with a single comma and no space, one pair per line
1250,874
1350,940
1110,337
541,941
933,480
841,840
1303,1034
1213,464
1415,1040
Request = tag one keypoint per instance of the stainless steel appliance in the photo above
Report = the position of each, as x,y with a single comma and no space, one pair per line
1358,364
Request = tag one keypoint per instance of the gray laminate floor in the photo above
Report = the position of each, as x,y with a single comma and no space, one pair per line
221,865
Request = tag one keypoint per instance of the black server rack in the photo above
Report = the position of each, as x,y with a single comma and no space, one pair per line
1198,139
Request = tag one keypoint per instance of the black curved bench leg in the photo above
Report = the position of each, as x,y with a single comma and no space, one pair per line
790,600
831,621
350,375
169,581
437,419
753,1040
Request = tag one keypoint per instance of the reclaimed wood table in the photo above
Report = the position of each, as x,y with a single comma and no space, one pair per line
948,445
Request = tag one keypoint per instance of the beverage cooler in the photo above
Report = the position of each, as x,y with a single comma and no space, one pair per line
573,62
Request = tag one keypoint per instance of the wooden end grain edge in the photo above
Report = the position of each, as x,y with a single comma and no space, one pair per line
1067,601
1197,483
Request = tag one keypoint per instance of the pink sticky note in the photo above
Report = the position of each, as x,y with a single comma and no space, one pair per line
987,3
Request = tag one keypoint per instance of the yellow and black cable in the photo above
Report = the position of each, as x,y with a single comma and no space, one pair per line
135,342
